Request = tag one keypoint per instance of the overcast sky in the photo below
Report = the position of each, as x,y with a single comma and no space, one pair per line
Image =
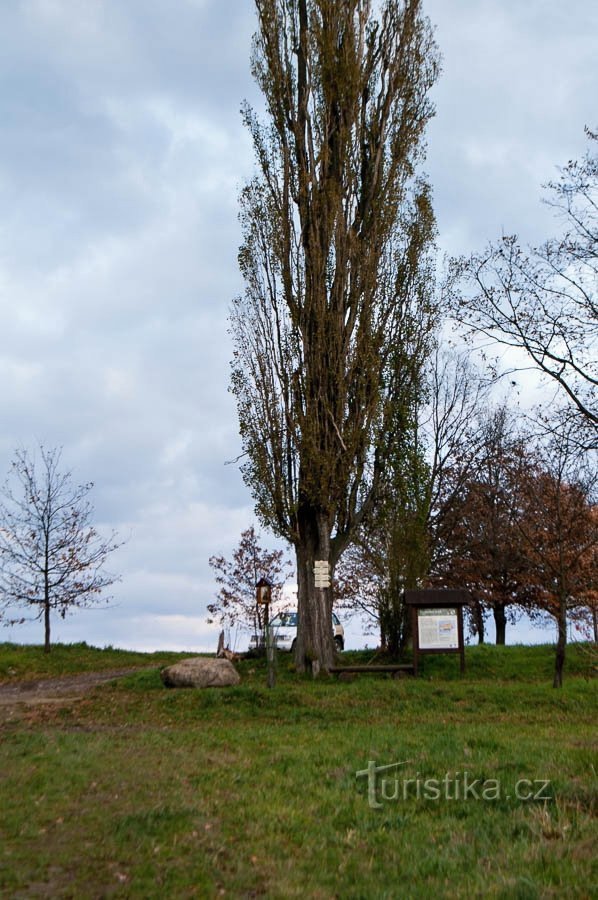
121,157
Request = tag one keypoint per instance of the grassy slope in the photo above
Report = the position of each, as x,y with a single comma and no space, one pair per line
26,662
138,791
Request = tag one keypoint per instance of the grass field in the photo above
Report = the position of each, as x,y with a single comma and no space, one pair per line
140,791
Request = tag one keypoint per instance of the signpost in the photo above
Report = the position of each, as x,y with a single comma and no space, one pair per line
437,622
322,573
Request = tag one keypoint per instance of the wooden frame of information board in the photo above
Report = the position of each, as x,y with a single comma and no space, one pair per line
437,622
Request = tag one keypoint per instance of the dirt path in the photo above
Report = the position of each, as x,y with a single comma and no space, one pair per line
58,690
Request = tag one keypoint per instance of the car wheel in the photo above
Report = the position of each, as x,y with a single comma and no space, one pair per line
340,646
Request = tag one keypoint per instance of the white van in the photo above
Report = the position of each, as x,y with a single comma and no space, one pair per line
284,630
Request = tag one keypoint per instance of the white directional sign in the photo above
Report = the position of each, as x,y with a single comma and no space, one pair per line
322,573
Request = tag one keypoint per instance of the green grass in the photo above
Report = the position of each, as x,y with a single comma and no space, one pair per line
140,791
29,662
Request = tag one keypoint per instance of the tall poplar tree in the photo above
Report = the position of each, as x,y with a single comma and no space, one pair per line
335,322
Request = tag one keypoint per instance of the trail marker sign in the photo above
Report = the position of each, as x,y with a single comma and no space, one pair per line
322,573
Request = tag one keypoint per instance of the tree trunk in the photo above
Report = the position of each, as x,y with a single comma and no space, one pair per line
406,636
595,624
383,638
46,591
47,627
477,615
559,661
314,650
394,629
500,621
391,622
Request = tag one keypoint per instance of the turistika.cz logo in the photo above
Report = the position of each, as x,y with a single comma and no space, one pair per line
384,788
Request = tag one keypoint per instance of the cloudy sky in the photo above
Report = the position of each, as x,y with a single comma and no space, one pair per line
121,157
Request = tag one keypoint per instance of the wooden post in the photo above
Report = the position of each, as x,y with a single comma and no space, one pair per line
415,639
461,640
263,597
269,648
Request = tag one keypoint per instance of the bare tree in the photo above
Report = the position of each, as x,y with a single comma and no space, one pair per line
51,557
402,542
453,432
457,397
237,578
544,300
334,325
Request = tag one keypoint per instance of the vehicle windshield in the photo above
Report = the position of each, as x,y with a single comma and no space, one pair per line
289,620
285,620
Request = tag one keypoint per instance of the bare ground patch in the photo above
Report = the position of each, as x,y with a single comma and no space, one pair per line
58,690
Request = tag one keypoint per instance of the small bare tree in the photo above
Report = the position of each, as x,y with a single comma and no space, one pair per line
236,600
51,557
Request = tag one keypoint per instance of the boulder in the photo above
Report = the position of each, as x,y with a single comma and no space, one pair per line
201,672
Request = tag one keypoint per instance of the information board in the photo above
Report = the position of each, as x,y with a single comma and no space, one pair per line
438,629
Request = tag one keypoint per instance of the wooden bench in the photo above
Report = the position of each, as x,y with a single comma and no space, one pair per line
395,670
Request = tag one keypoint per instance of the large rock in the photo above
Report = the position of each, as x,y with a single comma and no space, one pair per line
201,672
